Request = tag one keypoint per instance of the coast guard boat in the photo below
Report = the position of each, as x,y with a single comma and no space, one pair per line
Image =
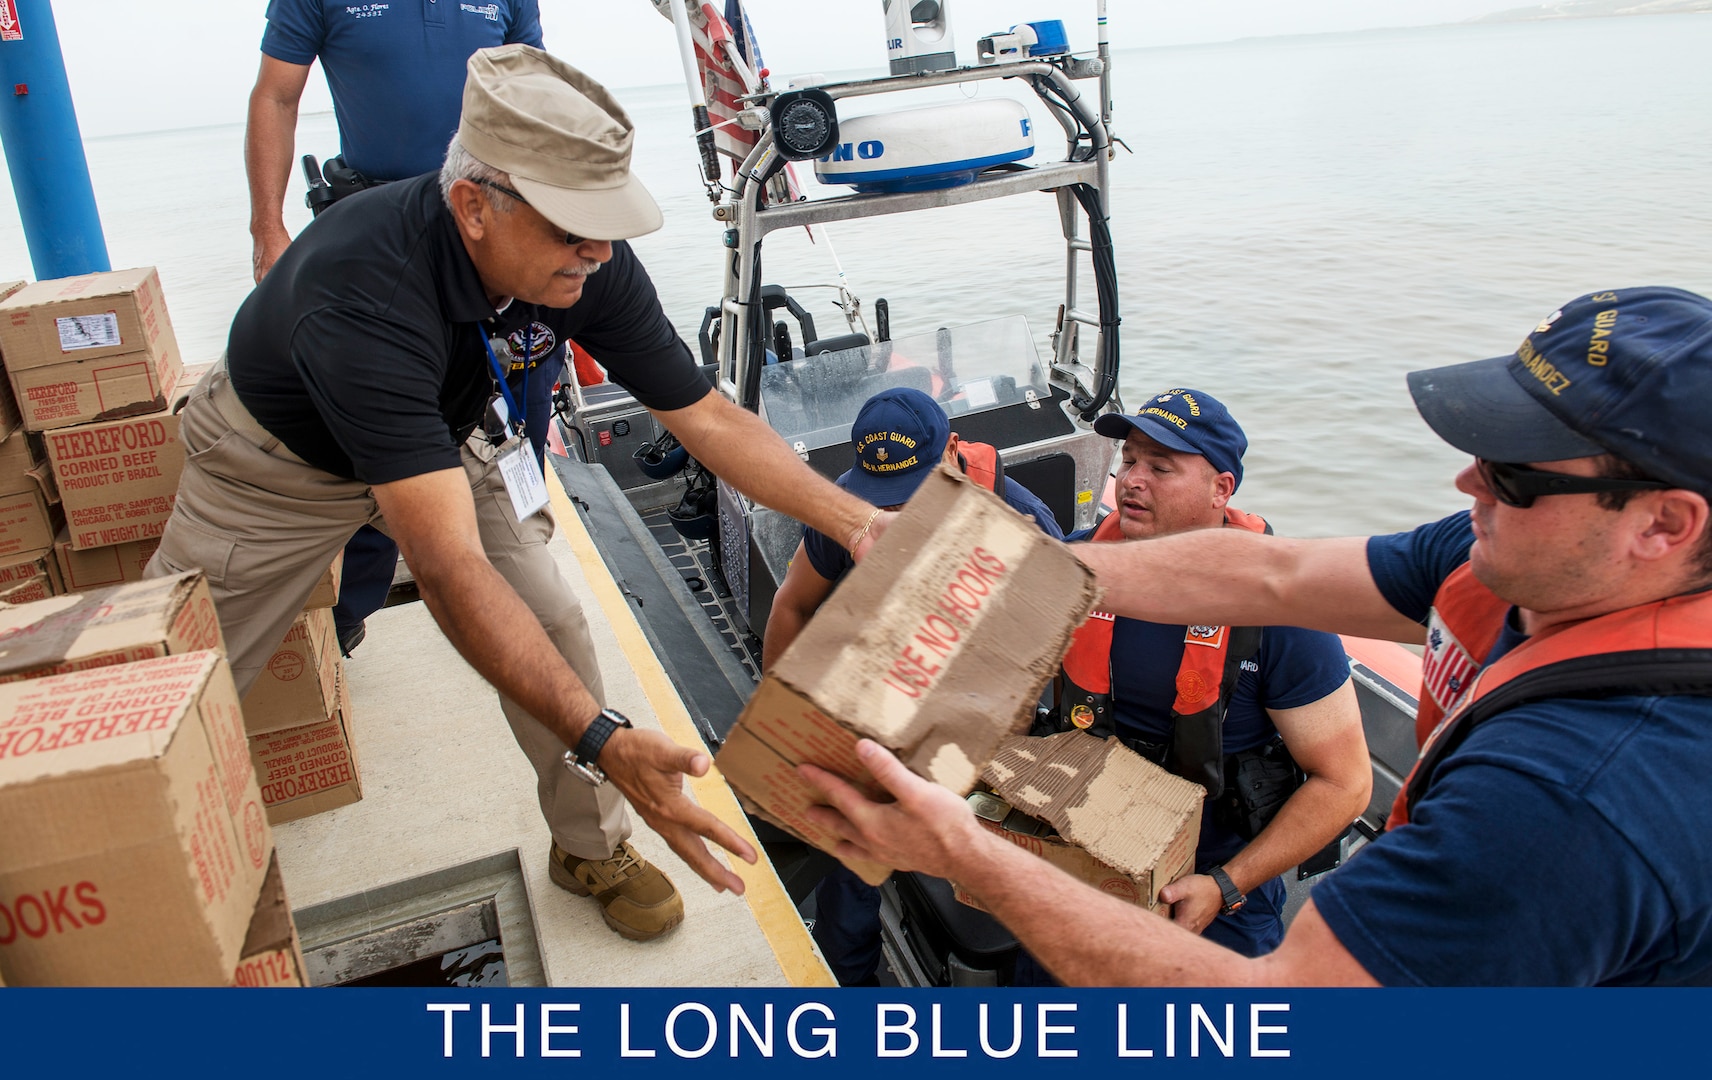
700,562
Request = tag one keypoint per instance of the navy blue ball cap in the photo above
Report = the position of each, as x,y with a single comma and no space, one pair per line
900,435
1188,421
1625,371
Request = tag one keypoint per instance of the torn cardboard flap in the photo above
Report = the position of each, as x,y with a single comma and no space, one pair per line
936,646
135,621
1103,797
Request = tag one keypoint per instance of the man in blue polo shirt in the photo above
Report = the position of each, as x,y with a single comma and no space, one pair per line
397,76
1557,827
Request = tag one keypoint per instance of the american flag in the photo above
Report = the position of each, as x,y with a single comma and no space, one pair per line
729,57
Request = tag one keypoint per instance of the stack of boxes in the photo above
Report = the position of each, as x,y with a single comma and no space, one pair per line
136,849
94,385
93,379
298,715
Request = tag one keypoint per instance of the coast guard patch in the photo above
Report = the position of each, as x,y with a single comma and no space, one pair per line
1210,636
1447,670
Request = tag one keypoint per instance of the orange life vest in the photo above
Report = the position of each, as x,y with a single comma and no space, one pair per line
1649,649
981,464
1212,658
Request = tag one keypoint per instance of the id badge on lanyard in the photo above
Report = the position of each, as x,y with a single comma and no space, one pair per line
523,479
518,468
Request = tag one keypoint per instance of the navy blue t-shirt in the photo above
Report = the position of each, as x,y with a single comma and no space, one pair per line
1294,667
832,562
396,69
1410,566
1563,843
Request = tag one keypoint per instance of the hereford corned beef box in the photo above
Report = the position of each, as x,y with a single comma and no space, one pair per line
300,683
90,347
10,420
29,500
306,770
29,577
273,953
103,566
936,645
136,621
135,843
118,479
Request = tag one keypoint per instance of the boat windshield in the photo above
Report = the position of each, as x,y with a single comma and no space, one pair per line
968,369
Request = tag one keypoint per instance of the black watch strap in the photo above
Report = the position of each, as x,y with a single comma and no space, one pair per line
1234,898
599,730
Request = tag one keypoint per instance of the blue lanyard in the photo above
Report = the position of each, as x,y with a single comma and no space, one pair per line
522,417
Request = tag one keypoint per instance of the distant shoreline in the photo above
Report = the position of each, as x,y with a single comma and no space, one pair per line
1595,9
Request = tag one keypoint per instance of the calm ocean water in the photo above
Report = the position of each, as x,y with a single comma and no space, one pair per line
1302,221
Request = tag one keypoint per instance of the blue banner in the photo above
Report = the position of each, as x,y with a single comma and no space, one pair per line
758,1034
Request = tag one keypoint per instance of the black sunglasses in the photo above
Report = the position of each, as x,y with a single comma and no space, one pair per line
1519,486
571,239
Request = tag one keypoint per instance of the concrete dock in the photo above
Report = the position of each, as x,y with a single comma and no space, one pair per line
445,786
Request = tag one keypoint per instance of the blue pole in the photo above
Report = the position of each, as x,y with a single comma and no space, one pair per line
44,151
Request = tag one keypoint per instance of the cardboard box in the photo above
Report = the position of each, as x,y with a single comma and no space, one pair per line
936,645
135,841
272,953
10,420
25,592
118,479
1123,824
34,576
27,522
306,770
80,571
91,347
137,621
24,462
28,497
326,592
300,684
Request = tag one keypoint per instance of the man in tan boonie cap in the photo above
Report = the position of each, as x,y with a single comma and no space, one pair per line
373,377
563,139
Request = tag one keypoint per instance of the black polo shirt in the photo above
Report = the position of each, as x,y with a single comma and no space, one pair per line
362,348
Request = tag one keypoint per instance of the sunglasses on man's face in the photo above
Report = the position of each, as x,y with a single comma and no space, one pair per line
1519,485
571,239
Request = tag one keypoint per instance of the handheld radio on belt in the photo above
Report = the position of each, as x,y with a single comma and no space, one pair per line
329,184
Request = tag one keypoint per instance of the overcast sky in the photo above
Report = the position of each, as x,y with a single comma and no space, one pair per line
149,66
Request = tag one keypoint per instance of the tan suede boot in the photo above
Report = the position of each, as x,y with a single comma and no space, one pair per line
636,899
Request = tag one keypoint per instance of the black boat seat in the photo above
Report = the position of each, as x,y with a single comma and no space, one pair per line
949,928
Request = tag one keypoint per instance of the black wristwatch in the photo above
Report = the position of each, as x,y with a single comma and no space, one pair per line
581,759
1234,898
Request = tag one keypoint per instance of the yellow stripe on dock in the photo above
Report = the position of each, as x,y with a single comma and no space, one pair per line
768,902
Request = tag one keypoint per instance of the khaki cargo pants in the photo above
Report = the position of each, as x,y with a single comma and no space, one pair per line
263,526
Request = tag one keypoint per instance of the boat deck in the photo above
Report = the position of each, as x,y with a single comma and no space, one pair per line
445,786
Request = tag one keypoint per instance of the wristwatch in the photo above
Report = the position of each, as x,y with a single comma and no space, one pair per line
1234,898
581,759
